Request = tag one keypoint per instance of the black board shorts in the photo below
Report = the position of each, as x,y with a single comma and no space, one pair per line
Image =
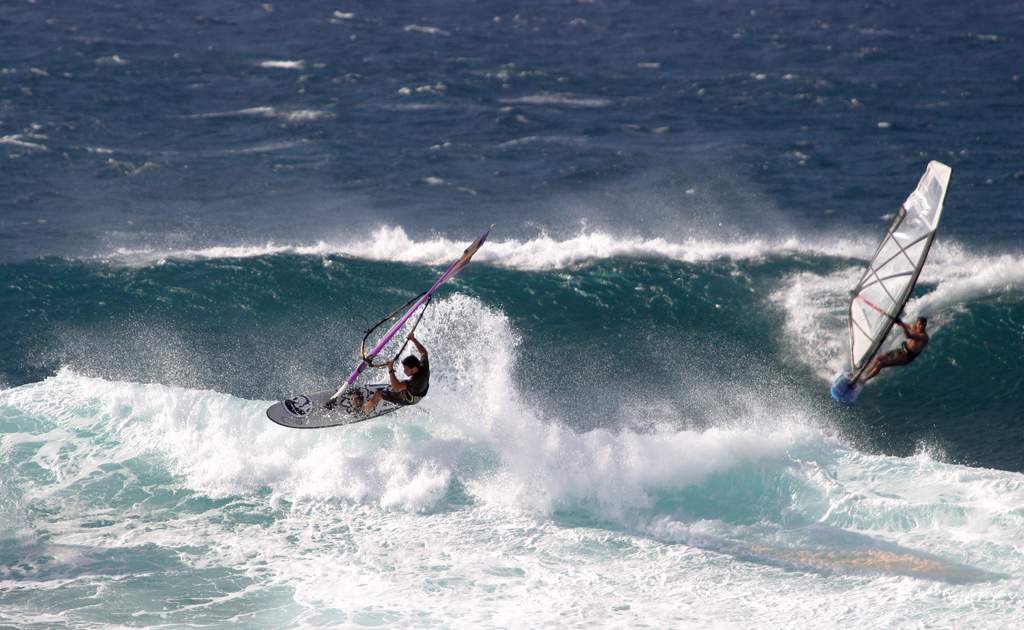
910,354
399,398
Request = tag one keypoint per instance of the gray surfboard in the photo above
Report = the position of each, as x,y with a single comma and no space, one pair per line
309,411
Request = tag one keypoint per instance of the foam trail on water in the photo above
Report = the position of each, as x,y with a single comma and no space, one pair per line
816,305
292,115
968,279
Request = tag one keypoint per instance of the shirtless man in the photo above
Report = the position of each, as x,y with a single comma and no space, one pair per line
917,340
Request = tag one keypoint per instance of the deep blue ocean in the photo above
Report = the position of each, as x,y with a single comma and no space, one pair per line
204,204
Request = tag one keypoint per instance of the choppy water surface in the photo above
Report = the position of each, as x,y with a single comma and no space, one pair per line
203,207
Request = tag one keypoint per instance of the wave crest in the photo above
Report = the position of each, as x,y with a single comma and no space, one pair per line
543,252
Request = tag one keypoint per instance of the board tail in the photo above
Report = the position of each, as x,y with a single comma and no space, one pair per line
846,390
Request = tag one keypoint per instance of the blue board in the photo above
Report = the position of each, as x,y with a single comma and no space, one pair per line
844,391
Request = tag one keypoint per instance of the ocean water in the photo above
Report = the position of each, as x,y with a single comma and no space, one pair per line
202,206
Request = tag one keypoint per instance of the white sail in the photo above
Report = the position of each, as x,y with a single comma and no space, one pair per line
883,290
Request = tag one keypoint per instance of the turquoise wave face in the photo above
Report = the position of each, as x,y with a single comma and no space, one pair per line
676,339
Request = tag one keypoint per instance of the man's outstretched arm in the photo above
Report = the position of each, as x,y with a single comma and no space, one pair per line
419,346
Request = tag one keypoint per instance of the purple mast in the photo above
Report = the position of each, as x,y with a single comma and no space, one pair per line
453,269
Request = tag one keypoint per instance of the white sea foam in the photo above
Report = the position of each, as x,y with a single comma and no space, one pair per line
461,509
559,99
815,308
566,140
264,147
963,278
436,88
302,115
283,64
413,107
421,28
539,253
290,115
19,140
112,60
130,169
